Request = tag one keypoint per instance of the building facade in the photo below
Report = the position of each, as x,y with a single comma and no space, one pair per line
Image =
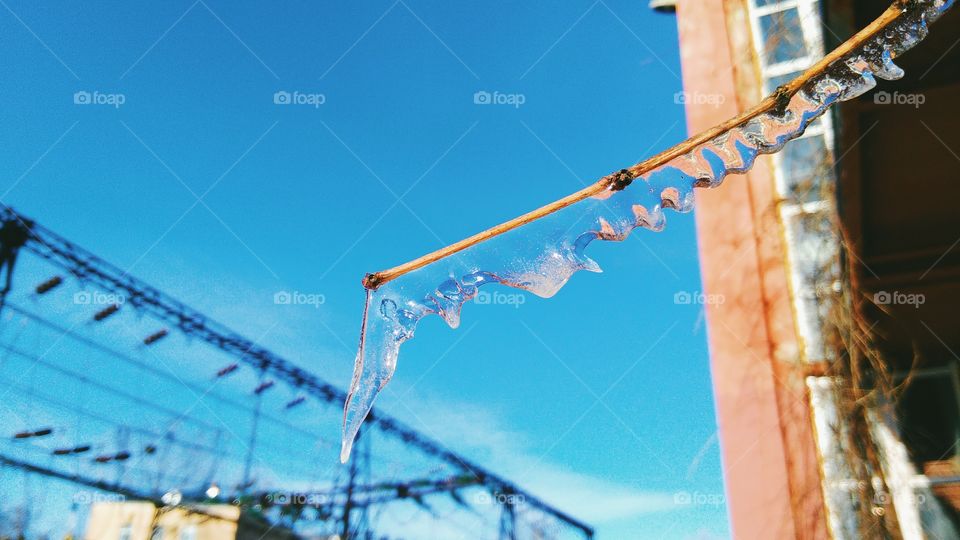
142,520
834,373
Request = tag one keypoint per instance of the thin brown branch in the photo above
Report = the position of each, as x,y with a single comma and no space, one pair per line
622,178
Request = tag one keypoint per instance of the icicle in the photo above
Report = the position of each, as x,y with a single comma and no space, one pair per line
542,255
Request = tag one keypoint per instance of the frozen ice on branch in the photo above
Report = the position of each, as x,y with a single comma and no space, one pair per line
539,251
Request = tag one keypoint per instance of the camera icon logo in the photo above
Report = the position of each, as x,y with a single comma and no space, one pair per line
281,97
882,98
282,298
82,298
683,298
483,498
882,498
82,98
482,97
882,298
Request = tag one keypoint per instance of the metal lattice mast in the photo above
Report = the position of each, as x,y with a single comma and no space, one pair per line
87,267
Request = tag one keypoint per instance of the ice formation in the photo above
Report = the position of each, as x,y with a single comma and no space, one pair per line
542,255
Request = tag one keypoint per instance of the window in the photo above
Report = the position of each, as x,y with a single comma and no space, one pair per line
928,418
782,36
787,39
804,167
812,248
773,82
929,415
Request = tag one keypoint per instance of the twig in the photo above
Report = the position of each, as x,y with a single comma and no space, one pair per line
621,179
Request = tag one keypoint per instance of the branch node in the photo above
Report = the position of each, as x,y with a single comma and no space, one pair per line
782,98
372,281
620,179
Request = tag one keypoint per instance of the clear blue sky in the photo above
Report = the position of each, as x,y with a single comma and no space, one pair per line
302,197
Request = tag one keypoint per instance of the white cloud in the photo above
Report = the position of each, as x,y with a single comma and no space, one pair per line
479,433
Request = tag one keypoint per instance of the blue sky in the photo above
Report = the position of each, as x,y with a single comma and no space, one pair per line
304,198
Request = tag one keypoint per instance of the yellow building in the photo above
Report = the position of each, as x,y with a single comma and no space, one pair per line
142,520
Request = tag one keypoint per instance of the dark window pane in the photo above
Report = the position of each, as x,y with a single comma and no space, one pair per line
928,418
805,169
782,36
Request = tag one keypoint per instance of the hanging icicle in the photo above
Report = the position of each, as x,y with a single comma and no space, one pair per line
541,250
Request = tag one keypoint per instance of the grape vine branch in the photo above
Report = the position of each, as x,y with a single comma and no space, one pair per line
619,180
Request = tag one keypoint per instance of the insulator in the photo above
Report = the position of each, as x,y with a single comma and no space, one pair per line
228,370
106,312
262,387
49,285
296,402
30,434
71,451
155,337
